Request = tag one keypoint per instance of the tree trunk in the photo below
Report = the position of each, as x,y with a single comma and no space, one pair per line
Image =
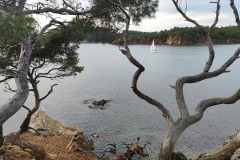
168,145
171,138
17,101
25,124
1,135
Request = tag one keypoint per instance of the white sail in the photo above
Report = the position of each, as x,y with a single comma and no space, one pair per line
152,49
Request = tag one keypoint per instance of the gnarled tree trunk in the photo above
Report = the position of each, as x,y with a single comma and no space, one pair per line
25,124
20,75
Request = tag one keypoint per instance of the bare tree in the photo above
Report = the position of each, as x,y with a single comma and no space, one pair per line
14,10
176,127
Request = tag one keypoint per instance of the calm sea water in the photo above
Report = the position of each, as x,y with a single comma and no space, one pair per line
108,74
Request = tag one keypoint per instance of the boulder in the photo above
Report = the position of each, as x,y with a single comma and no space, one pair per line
49,126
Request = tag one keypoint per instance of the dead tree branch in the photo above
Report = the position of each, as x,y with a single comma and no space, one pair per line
49,92
235,11
5,79
25,107
127,53
62,11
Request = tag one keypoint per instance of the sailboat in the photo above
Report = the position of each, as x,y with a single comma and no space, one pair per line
152,49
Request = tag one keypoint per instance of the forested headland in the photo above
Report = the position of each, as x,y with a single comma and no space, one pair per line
185,36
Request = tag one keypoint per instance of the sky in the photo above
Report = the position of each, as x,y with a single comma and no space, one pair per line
201,11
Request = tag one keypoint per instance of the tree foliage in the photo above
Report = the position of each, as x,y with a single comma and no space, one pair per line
108,14
13,30
48,53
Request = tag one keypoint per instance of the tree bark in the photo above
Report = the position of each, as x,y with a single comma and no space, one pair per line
16,102
171,137
225,152
1,135
25,124
168,145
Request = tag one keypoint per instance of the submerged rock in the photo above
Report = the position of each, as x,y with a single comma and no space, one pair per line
100,102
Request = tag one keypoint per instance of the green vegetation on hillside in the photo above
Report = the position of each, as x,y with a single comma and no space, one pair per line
187,35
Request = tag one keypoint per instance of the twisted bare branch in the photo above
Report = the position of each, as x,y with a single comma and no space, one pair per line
62,11
235,12
5,79
127,53
203,105
49,92
187,18
8,72
188,79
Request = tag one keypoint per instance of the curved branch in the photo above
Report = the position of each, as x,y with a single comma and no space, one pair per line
16,102
197,78
5,79
43,30
192,79
47,73
187,18
210,44
203,105
9,72
8,88
120,6
127,53
25,107
67,5
37,67
235,12
49,92
204,75
62,11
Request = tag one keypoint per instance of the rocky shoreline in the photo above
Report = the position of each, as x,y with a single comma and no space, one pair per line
48,139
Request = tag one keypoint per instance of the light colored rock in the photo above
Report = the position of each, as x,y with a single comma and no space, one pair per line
49,126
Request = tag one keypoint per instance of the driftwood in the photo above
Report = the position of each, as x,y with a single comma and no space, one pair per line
132,149
230,145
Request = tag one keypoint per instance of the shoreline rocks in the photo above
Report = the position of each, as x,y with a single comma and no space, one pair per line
49,139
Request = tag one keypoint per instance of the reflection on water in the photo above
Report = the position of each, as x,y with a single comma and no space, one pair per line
108,75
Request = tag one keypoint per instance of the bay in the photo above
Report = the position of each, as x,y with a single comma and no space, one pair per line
108,74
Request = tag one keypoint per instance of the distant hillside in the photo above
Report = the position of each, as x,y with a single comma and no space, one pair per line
186,36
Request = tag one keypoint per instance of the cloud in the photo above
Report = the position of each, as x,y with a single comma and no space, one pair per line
168,17
202,11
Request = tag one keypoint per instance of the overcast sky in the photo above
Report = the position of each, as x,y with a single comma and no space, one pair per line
167,16
200,10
